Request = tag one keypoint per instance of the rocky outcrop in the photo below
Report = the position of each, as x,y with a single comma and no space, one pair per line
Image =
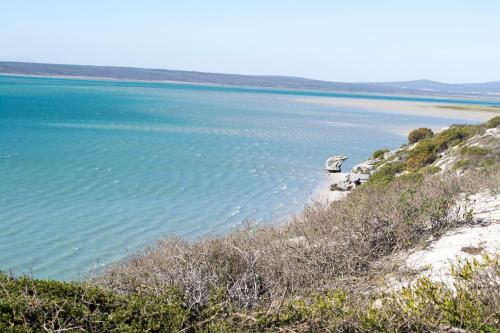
347,181
339,181
334,163
366,167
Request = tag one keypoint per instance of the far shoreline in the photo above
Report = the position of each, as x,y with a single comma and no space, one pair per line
426,95
438,109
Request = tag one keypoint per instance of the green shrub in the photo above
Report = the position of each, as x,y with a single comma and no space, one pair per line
430,170
424,153
412,176
419,134
474,151
427,150
453,135
493,122
386,173
380,153
488,163
28,305
470,305
460,164
419,161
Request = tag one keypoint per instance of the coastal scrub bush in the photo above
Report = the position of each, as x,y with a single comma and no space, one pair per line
488,164
386,173
327,247
460,164
412,176
427,150
29,305
478,157
380,153
493,122
474,151
430,170
469,303
424,153
454,135
419,134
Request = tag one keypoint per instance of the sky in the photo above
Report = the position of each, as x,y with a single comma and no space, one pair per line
353,41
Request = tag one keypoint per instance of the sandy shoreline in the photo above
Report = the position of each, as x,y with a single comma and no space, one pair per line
467,112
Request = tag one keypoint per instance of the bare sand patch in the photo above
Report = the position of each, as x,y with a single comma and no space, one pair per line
468,112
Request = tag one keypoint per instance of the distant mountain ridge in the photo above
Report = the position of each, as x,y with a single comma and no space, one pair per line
490,89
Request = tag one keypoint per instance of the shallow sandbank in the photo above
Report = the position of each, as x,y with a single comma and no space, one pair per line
467,112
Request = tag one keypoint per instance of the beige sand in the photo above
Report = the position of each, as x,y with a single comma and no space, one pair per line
456,111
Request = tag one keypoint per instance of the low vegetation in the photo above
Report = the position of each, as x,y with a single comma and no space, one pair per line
493,122
432,169
386,173
460,164
323,271
419,134
430,148
487,108
423,154
380,153
29,305
474,151
257,265
470,305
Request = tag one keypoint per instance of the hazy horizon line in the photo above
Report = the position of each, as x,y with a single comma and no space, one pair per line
241,74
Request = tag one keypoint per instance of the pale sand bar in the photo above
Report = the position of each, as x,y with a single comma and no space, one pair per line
430,109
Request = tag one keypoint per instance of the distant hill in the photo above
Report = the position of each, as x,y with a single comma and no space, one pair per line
269,81
485,87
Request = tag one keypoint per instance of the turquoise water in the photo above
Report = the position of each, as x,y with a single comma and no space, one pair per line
92,169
